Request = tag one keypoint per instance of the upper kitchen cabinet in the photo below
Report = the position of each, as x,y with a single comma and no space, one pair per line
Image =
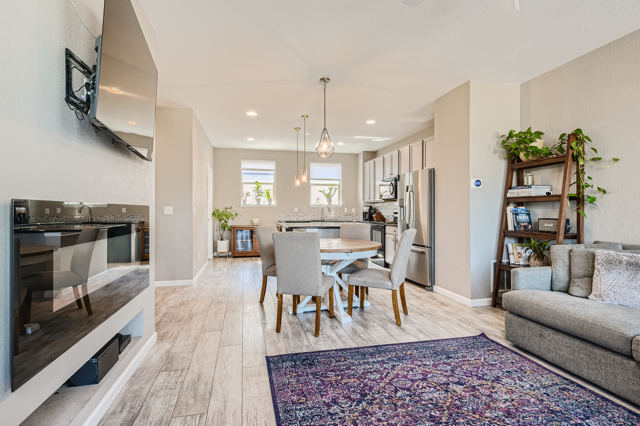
390,161
378,169
404,160
416,155
368,181
428,160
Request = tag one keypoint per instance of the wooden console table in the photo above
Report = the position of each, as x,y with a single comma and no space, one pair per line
244,241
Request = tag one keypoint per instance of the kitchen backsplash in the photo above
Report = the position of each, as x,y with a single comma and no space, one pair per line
299,217
118,218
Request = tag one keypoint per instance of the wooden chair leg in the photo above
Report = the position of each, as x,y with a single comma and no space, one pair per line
318,314
295,305
403,300
394,299
331,302
362,297
356,291
264,288
366,290
85,297
340,275
76,295
350,300
279,314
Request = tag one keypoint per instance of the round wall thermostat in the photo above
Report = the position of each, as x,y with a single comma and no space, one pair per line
476,183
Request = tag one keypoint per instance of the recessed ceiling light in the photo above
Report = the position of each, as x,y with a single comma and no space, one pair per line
371,121
250,139
132,122
252,113
340,143
307,134
115,90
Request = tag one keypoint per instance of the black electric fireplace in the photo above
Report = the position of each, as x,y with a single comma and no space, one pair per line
74,265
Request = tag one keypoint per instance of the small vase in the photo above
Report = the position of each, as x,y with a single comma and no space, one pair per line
539,143
258,200
269,200
255,221
244,201
534,263
328,201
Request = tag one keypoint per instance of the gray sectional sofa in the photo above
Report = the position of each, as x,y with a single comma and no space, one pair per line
597,341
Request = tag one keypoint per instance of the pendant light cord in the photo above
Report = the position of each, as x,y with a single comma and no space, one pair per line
325,103
304,150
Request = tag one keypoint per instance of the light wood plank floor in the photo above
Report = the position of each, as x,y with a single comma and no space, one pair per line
208,367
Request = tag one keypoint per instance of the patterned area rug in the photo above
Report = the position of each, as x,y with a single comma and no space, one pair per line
464,381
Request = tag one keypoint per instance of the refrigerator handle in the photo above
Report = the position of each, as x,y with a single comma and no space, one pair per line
418,250
412,209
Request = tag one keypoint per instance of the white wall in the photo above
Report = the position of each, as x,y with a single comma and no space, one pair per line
202,158
46,153
600,93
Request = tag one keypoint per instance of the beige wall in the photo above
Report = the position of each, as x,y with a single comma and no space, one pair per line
425,133
451,151
600,93
227,186
174,180
202,159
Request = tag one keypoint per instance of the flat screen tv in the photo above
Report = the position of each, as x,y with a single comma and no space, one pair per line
120,90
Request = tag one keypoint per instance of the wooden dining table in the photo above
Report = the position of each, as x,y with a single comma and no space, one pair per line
338,254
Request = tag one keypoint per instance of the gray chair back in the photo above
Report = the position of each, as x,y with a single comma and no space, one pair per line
83,250
265,242
401,258
355,231
298,260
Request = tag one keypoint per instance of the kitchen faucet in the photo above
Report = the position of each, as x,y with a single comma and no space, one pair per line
89,208
322,213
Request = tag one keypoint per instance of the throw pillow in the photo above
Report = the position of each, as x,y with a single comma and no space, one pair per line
616,278
582,265
561,262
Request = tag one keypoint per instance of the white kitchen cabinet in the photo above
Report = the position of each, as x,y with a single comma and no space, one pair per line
391,164
416,155
368,181
428,161
390,243
378,167
386,160
404,161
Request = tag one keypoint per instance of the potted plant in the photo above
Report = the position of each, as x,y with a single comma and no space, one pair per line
223,217
585,185
538,248
527,145
329,193
269,196
245,195
318,200
258,192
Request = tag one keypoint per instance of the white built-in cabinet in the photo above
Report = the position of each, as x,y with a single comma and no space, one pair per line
369,183
390,164
378,167
404,160
416,155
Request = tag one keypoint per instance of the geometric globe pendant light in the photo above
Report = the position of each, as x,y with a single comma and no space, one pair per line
305,174
325,147
297,143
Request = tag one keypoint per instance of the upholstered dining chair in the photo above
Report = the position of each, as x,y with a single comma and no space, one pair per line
387,279
300,271
355,231
265,242
77,276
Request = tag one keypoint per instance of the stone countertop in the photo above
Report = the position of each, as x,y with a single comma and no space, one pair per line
327,224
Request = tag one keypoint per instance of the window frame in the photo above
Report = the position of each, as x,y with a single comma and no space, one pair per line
243,182
311,185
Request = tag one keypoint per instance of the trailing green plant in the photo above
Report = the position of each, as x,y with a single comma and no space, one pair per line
330,192
584,183
223,217
258,191
537,248
524,143
268,194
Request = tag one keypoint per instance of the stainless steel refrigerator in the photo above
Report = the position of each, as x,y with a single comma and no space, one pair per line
416,210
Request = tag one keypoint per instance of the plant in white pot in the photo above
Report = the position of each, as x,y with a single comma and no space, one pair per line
329,193
223,217
258,192
269,196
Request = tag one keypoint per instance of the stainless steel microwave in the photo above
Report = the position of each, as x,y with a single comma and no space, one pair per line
388,189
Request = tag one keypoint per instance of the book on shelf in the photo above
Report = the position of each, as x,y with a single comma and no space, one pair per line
547,187
512,259
522,254
527,193
509,218
522,219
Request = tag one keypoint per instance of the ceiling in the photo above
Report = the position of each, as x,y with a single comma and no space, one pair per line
387,62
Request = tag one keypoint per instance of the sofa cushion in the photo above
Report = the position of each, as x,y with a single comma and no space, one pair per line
561,262
611,326
582,261
624,246
616,279
636,348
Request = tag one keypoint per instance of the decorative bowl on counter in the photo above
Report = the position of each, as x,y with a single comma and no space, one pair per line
255,222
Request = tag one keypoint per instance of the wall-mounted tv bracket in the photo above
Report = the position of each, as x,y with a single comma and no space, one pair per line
80,105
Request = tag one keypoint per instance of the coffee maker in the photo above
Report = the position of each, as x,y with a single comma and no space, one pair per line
20,214
368,212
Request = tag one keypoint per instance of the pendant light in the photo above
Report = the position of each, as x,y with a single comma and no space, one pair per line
305,174
297,143
325,147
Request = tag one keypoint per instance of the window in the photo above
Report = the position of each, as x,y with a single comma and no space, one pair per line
321,176
263,172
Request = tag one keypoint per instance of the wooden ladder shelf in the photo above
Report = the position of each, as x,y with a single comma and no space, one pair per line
517,167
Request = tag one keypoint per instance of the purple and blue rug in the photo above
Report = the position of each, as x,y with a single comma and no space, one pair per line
464,381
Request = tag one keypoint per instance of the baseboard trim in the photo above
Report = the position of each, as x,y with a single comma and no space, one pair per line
174,283
200,271
474,303
112,393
